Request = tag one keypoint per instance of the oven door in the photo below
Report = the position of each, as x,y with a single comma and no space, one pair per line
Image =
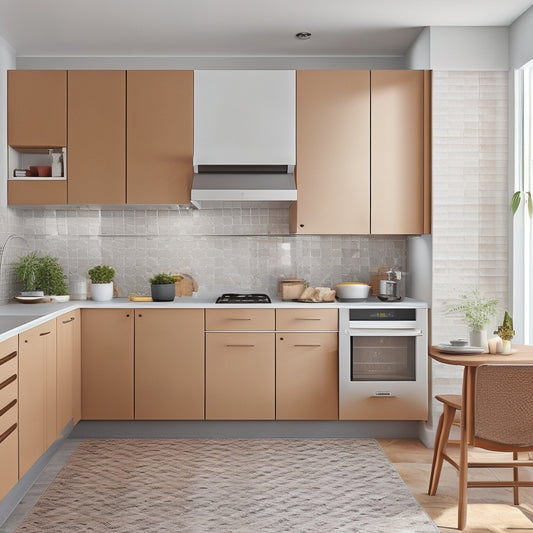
383,371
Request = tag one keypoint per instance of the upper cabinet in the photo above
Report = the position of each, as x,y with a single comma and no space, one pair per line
363,152
159,136
333,152
96,137
37,108
399,155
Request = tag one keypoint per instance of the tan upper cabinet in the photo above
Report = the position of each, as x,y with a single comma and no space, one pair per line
37,108
400,158
332,152
37,393
169,364
159,136
68,369
96,137
107,364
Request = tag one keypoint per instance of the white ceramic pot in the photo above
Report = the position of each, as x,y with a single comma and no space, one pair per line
102,292
479,338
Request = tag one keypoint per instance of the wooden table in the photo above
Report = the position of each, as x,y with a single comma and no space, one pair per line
523,355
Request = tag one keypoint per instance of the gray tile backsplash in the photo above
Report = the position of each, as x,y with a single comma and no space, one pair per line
234,247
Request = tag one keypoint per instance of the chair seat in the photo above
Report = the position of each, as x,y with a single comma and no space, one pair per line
453,400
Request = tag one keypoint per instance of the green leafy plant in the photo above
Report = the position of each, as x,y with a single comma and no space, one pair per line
26,270
50,277
506,331
162,279
477,311
517,198
101,274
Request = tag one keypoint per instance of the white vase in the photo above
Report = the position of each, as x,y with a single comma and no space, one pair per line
479,338
102,292
506,347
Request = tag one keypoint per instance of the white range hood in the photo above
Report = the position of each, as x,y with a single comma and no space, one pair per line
244,136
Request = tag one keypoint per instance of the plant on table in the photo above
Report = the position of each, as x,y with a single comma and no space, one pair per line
506,332
101,282
162,279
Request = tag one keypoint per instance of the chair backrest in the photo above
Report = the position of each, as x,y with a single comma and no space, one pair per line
504,404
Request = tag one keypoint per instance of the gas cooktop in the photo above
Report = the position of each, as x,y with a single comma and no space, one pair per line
252,298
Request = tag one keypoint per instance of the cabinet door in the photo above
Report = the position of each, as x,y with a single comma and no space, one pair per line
37,393
239,379
35,192
107,364
8,415
159,136
169,364
68,369
307,319
400,123
96,137
333,152
239,319
37,108
307,376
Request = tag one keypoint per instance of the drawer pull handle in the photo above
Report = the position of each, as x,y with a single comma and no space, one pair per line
45,333
238,318
5,409
240,345
71,319
307,345
8,432
7,358
9,380
308,318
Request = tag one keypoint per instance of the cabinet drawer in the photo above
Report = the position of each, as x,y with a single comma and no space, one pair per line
9,417
8,366
8,392
8,460
239,319
306,319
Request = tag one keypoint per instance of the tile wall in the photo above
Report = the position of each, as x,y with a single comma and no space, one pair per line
470,201
236,247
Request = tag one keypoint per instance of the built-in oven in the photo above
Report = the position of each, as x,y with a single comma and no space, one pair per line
383,363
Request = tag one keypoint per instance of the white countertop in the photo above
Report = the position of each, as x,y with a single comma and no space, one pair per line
18,317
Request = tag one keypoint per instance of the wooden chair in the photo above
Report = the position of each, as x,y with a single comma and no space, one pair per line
503,422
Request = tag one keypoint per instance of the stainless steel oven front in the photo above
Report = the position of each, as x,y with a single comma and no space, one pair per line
383,363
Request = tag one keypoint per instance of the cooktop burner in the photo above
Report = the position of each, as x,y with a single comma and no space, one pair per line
254,298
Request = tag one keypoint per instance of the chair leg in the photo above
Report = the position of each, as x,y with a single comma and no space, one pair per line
463,478
441,440
515,479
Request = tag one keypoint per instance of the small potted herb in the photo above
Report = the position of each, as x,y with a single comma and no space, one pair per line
51,279
506,333
163,287
101,282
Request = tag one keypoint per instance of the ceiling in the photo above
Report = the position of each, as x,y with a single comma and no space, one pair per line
236,27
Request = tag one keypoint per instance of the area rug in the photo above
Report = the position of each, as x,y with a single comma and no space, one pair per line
236,485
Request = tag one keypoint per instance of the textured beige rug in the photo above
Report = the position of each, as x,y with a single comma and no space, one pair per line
228,485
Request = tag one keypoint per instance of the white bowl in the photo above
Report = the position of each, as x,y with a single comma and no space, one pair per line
59,299
352,290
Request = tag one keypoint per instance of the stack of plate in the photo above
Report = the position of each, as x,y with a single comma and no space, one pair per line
454,349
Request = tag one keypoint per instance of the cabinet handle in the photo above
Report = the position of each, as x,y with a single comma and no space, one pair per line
308,318
238,318
45,333
139,315
240,345
128,315
7,358
71,319
308,345
8,432
5,409
9,380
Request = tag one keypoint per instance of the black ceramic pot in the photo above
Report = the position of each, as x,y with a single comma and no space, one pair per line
163,293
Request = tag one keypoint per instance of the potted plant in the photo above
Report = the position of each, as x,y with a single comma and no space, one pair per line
101,282
477,312
163,287
51,279
26,270
506,332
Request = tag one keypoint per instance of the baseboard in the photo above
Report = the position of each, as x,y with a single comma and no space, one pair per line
426,434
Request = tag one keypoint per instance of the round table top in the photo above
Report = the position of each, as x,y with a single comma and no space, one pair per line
523,355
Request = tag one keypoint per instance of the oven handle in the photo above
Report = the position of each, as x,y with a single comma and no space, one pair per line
369,332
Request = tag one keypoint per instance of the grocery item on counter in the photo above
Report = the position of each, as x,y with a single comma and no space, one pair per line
317,294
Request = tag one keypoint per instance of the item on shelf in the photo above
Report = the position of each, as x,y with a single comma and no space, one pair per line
21,173
57,163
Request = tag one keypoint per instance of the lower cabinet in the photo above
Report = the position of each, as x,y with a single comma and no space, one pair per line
68,369
107,364
9,452
307,376
239,379
169,364
37,393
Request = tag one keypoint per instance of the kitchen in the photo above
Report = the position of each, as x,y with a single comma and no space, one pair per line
227,248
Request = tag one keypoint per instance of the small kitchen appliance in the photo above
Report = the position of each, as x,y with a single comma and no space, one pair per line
389,289
252,298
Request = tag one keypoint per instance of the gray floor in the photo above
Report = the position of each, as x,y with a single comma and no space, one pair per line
40,485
